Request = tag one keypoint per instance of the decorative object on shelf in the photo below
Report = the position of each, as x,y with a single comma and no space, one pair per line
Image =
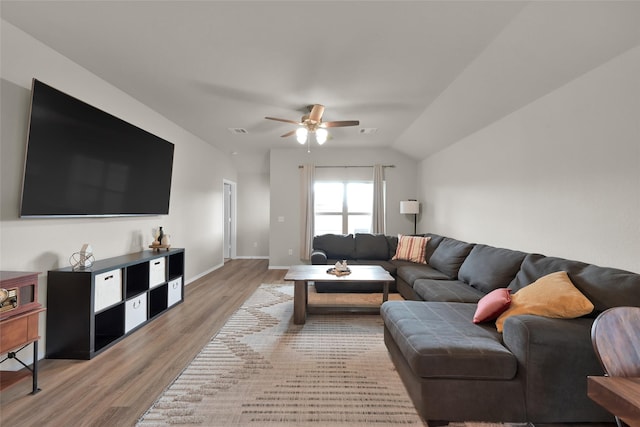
166,240
82,259
162,241
411,207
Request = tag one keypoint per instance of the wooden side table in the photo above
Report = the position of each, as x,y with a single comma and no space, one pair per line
618,395
19,325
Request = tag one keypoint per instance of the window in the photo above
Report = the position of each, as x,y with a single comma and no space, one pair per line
343,207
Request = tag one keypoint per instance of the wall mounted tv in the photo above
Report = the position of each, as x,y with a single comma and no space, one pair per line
84,162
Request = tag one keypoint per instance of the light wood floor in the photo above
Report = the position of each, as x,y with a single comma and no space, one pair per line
116,387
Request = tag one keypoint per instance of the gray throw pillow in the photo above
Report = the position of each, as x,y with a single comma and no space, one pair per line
488,268
449,256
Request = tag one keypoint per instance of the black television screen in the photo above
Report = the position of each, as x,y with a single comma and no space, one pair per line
82,161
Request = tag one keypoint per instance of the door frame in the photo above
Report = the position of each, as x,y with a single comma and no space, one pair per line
229,219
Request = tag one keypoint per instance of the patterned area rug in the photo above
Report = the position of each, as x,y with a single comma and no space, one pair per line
262,370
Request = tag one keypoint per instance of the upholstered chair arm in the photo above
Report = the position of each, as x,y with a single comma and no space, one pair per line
318,257
555,356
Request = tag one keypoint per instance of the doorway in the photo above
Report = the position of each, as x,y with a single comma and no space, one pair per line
229,226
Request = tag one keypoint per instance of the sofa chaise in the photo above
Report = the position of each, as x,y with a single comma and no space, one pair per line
533,369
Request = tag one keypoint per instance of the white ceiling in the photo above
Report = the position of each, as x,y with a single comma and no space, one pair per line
424,73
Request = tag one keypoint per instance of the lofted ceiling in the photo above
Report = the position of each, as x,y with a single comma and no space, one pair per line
423,73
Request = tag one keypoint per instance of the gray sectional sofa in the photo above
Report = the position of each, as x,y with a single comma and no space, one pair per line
456,370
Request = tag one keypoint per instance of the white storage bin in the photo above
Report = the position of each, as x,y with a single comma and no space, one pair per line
156,272
175,291
108,289
135,312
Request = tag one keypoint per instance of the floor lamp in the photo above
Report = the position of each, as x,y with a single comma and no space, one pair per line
411,207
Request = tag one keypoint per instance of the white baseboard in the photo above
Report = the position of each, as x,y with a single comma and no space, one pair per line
250,257
204,273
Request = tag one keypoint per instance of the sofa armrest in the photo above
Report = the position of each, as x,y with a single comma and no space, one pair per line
555,356
318,257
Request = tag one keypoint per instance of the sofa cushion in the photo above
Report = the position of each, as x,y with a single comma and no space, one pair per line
410,272
336,246
446,290
432,244
488,268
492,305
604,287
449,256
536,266
392,244
411,248
439,340
371,246
552,296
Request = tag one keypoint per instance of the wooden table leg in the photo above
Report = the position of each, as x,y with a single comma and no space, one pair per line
385,291
300,299
34,369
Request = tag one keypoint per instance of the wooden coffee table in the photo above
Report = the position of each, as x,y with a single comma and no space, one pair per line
301,275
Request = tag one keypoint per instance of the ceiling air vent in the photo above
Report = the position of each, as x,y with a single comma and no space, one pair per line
368,130
238,131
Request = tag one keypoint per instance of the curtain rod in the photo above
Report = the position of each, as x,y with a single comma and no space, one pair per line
362,166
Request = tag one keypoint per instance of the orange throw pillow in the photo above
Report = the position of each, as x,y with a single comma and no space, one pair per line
553,295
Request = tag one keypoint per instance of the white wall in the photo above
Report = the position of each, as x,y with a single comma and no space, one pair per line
285,191
560,176
195,213
253,215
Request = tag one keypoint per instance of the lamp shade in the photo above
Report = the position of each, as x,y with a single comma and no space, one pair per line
301,135
409,207
321,136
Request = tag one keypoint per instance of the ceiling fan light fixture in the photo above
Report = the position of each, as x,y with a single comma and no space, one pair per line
321,135
301,135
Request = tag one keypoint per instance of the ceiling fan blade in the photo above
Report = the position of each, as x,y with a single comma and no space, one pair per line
293,132
316,113
340,123
284,120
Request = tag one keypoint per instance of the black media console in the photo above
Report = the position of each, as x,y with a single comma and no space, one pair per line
90,310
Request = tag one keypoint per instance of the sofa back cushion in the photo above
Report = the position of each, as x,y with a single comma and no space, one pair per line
371,247
604,287
338,246
488,268
432,244
449,256
392,244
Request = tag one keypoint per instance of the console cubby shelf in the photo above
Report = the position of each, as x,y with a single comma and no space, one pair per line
90,310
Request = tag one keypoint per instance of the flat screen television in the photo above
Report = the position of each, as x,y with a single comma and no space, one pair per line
84,162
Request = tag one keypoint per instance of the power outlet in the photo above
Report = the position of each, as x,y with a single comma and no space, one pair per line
290,251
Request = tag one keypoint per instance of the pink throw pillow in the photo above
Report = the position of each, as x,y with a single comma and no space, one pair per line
492,305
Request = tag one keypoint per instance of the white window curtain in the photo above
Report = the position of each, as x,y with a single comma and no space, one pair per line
378,219
307,173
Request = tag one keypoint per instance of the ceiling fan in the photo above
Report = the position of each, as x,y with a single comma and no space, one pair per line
312,123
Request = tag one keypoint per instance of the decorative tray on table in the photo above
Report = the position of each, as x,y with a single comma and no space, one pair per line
339,272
